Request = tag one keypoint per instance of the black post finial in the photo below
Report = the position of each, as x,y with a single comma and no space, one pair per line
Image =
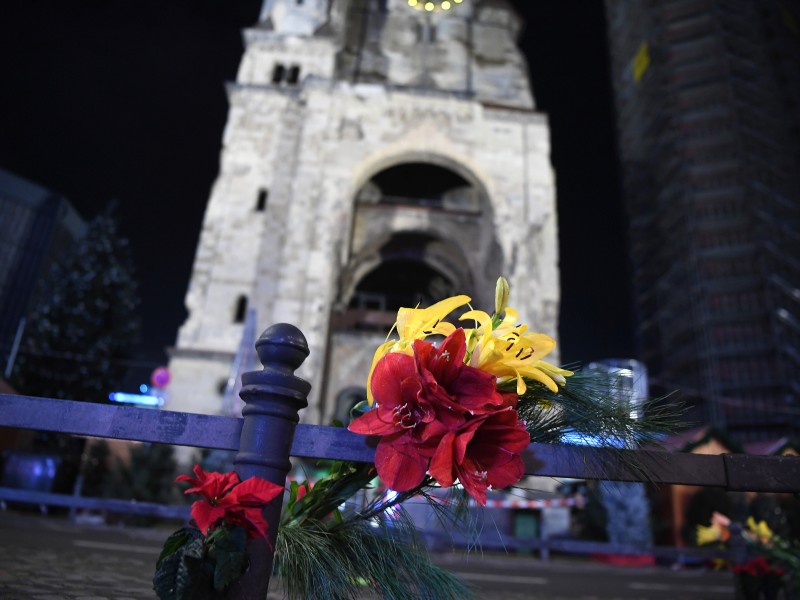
273,398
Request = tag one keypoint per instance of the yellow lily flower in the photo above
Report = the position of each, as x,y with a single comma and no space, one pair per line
416,324
509,351
718,531
708,535
760,530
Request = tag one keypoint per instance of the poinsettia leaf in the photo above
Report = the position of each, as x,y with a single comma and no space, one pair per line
175,541
198,572
179,574
230,557
166,576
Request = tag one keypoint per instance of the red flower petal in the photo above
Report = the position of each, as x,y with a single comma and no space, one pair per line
372,423
388,377
486,452
445,362
254,491
442,462
211,486
206,515
249,517
400,466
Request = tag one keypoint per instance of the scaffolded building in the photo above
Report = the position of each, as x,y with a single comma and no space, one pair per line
707,95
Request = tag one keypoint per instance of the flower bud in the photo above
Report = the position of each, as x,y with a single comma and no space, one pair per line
501,292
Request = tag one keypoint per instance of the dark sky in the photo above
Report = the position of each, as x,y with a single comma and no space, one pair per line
118,100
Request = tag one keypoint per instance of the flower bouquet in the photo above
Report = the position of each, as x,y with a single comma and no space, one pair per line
776,558
453,408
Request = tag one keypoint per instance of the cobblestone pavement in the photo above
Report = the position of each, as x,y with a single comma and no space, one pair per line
49,558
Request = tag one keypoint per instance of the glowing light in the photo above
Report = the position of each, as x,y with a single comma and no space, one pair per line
160,377
433,5
140,399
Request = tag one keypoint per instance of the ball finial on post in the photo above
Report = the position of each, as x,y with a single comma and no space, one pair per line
273,398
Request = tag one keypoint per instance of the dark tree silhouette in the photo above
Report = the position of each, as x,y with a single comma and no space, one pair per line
78,337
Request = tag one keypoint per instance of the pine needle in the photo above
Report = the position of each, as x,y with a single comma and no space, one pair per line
594,408
342,561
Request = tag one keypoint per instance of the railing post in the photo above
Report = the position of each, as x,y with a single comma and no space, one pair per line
273,397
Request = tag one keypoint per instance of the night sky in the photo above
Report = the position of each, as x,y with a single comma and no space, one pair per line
107,100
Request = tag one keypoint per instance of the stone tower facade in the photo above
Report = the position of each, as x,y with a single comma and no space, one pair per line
375,156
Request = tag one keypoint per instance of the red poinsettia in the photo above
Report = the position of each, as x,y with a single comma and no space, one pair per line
226,498
420,399
484,453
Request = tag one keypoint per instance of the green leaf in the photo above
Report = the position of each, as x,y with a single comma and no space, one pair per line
230,557
359,409
165,580
179,573
173,542
194,579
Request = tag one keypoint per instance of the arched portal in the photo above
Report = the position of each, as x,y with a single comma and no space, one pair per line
422,230
408,269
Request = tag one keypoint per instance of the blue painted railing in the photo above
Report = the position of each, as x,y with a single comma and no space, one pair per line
269,433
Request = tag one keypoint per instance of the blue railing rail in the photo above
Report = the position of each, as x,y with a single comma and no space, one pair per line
734,472
137,508
268,434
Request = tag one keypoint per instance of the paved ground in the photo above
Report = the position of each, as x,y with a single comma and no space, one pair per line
48,558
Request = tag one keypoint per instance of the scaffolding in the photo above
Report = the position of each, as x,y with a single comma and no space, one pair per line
709,141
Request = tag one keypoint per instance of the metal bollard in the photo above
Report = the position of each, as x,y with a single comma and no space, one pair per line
273,398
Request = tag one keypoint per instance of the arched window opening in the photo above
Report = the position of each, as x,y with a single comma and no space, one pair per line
294,75
261,201
278,73
422,184
241,309
404,282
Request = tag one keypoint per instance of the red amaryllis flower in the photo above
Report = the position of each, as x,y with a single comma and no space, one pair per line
485,453
226,498
419,399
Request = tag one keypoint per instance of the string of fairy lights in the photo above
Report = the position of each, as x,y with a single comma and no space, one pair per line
431,6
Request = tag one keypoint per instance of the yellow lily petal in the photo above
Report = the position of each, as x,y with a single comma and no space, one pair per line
760,530
555,373
481,317
509,351
416,324
708,535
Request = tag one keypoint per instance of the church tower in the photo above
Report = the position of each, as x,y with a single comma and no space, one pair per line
378,154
